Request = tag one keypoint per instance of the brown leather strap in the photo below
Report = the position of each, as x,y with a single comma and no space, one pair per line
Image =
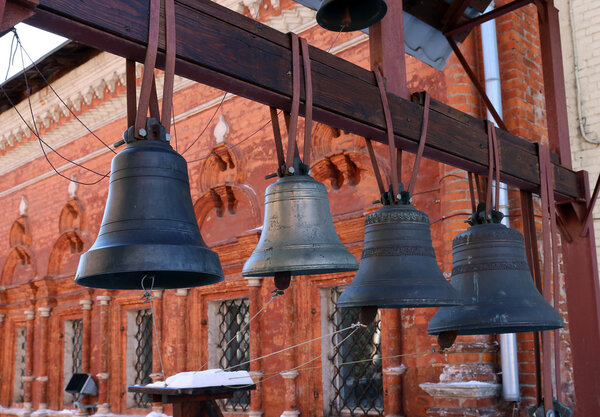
171,45
277,138
493,167
154,110
390,133
375,166
413,178
472,193
130,81
308,101
149,64
293,127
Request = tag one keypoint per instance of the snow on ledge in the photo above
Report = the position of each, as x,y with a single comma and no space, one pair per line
202,379
463,389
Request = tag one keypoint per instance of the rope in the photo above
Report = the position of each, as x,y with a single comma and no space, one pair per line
243,328
291,347
148,296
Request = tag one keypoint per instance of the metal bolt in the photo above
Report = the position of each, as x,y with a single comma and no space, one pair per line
291,170
142,132
309,171
168,137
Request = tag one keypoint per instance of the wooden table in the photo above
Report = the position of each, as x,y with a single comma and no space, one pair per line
191,402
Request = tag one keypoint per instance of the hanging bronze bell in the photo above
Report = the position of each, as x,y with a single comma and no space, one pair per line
149,228
298,236
350,15
490,271
398,266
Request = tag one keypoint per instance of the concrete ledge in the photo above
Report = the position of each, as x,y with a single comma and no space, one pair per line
467,389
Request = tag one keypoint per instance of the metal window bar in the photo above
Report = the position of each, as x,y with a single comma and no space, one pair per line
77,343
357,387
143,356
20,366
234,346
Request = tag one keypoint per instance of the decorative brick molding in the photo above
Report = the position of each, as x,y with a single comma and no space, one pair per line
103,299
182,292
254,281
85,304
44,311
29,314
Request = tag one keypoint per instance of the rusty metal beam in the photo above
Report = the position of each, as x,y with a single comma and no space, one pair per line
226,50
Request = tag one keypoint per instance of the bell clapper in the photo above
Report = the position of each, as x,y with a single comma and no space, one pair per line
367,315
346,20
282,280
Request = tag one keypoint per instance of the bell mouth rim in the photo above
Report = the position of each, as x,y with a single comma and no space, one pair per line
185,279
303,270
479,330
404,303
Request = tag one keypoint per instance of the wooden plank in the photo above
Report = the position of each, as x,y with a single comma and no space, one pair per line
226,50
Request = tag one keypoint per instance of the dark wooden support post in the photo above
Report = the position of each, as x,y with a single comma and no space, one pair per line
392,63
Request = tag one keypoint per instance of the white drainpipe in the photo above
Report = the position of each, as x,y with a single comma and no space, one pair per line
508,341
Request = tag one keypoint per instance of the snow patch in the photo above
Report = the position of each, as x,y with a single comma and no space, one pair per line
155,414
202,379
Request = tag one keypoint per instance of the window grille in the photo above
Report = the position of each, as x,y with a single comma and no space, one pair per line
76,342
143,356
20,359
233,317
357,387
72,355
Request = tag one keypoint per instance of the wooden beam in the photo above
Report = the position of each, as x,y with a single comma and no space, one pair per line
226,50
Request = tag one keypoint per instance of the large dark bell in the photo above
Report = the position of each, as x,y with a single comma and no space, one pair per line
491,272
350,15
398,266
149,227
298,236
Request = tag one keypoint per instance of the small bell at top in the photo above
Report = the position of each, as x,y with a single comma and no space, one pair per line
350,15
398,266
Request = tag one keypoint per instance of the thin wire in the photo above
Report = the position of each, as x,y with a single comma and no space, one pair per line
243,328
291,347
11,56
336,38
273,375
148,296
232,146
41,141
207,124
56,94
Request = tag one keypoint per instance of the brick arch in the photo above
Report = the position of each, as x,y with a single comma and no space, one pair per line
224,165
226,211
72,216
65,253
322,137
19,266
20,233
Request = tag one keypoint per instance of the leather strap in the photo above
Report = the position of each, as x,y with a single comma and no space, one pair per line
390,133
493,168
149,64
131,91
413,178
277,138
293,125
308,100
171,45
